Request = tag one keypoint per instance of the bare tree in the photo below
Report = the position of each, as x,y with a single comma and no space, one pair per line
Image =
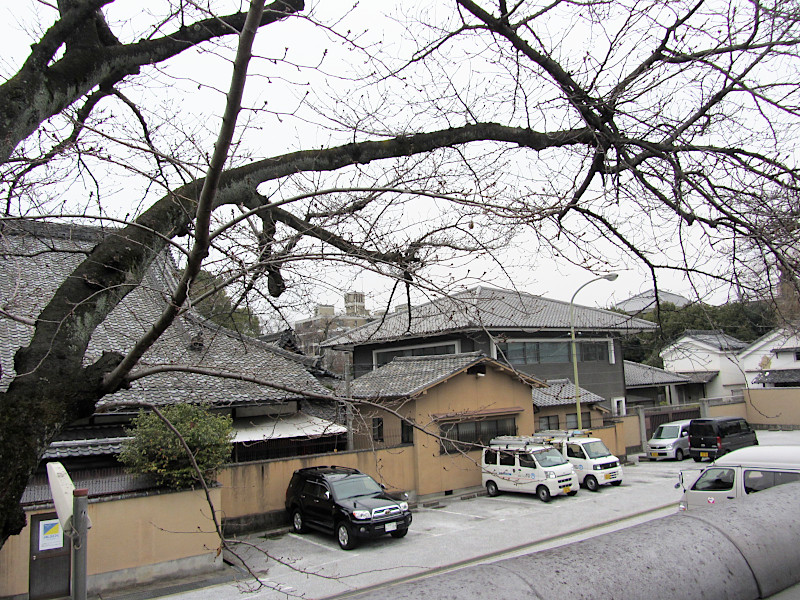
657,130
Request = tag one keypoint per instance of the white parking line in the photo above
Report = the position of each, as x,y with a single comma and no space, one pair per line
308,540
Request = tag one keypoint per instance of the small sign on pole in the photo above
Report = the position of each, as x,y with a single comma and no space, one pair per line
61,487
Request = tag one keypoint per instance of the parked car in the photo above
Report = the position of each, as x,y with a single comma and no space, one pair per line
669,440
345,502
740,473
515,464
594,463
712,437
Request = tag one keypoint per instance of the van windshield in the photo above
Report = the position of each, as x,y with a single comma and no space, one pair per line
596,449
549,457
666,432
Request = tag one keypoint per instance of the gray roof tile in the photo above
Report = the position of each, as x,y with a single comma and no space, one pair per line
33,265
716,339
490,308
561,392
407,376
639,375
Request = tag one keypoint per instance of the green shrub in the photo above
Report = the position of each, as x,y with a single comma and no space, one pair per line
156,450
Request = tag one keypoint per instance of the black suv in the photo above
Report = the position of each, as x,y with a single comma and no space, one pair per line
346,502
712,437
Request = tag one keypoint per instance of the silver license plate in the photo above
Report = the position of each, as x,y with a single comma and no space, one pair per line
391,526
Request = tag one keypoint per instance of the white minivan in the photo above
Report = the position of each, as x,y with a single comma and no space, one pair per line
509,466
740,473
593,461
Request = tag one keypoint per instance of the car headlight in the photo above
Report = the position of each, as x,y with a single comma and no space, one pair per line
597,467
550,474
403,506
361,514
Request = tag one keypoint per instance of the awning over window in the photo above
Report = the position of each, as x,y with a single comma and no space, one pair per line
298,425
473,415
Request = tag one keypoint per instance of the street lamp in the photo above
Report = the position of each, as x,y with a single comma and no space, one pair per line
609,277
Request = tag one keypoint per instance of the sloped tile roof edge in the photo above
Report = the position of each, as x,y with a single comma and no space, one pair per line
471,359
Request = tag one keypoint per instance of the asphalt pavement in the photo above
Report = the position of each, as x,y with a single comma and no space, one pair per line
455,532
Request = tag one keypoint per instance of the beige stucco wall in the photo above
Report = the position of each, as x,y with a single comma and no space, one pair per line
614,437
127,537
631,434
498,392
773,406
733,409
260,487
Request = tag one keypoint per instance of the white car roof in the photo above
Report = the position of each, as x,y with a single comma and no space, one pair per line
762,456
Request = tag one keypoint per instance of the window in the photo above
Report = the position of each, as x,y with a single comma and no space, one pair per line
797,354
385,356
532,353
715,480
526,460
550,422
377,429
593,351
575,451
406,433
507,459
572,419
490,457
755,481
461,436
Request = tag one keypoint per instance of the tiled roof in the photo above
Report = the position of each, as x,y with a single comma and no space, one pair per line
716,339
407,376
779,376
33,265
639,375
561,392
699,376
482,307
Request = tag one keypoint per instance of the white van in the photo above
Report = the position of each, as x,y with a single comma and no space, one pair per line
740,473
593,461
510,464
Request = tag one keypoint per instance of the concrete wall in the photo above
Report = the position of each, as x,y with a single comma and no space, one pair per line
740,550
729,409
132,540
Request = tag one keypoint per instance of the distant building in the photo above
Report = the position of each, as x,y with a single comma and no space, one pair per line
646,301
327,323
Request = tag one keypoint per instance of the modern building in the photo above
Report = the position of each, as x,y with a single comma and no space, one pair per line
529,332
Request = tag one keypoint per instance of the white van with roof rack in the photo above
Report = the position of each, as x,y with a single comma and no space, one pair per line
593,461
740,473
518,464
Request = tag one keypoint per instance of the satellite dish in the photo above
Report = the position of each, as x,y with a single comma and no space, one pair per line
61,487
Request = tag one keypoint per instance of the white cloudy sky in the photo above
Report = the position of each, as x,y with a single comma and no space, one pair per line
293,125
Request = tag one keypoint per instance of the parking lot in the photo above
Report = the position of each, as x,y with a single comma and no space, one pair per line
463,531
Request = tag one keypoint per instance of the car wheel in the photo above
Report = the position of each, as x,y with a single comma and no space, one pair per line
399,533
298,523
679,454
543,493
697,458
616,483
591,483
344,533
491,489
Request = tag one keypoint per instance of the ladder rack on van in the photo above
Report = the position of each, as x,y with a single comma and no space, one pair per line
548,435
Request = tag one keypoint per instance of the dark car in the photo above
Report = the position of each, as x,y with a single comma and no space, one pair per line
345,502
712,437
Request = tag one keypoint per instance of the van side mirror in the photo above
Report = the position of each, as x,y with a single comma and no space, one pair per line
684,433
